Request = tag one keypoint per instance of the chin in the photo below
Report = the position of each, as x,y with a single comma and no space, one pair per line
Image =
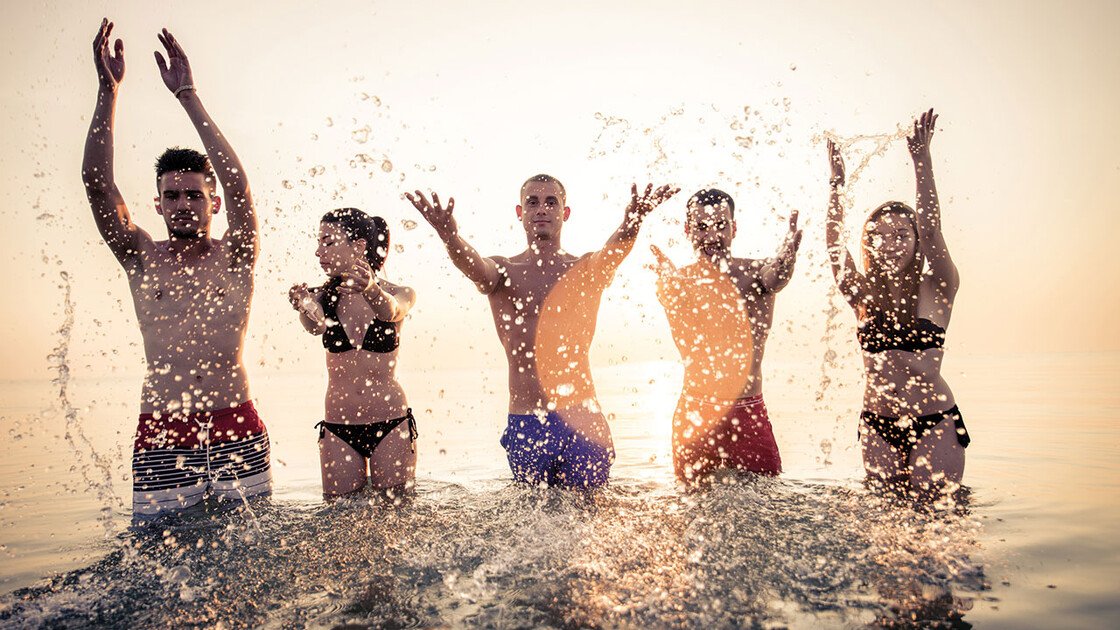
185,234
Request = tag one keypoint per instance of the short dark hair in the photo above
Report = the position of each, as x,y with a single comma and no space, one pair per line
710,197
359,225
547,179
187,160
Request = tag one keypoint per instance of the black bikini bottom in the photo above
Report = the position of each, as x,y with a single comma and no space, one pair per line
903,438
364,438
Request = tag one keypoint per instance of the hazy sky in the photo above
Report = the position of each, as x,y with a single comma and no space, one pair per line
354,104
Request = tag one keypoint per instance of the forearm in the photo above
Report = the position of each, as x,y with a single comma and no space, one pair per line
97,161
312,326
222,157
776,275
385,306
480,270
833,231
622,241
929,209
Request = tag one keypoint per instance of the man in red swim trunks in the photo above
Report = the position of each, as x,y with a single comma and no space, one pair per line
198,431
720,311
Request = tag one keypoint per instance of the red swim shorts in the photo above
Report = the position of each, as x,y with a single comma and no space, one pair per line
740,439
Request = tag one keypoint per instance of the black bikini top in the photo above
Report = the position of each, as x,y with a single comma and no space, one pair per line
876,336
381,336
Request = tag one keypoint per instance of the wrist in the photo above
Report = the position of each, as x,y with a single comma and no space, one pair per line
184,92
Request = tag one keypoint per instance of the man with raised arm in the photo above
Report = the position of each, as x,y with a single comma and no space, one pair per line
545,304
198,430
720,312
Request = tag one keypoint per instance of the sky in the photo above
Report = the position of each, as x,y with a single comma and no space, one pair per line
356,104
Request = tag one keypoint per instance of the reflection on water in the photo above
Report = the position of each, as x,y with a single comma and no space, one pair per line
763,552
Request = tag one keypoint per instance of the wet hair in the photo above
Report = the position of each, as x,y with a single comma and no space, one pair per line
359,225
709,197
909,278
547,179
178,159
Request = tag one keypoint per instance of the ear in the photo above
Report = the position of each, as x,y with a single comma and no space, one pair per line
159,208
687,227
217,201
567,212
519,211
734,228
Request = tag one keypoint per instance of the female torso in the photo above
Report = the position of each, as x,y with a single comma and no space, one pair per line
362,386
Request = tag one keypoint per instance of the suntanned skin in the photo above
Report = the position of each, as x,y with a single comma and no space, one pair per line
757,281
362,387
520,285
191,292
901,383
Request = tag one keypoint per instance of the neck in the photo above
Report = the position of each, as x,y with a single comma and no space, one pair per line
544,247
192,244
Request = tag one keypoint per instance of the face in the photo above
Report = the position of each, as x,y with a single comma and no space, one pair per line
187,203
542,210
891,241
336,252
710,229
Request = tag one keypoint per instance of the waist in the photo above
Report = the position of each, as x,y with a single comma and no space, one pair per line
190,429
951,412
714,401
170,389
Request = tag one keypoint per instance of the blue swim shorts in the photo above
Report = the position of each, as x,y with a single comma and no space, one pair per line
547,449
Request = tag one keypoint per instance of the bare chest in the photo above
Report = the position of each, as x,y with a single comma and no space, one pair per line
203,291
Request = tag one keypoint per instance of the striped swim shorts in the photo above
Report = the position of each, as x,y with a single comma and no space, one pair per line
178,458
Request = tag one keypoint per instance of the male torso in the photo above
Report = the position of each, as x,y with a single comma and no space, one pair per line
192,307
545,311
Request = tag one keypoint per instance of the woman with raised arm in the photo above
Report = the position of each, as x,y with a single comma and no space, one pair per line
912,433
368,422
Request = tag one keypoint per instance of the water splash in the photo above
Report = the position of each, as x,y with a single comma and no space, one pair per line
760,552
88,457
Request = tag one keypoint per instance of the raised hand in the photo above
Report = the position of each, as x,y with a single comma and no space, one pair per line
303,300
357,279
439,217
110,66
176,70
642,205
836,165
923,133
787,252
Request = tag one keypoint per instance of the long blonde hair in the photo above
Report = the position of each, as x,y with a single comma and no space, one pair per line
879,303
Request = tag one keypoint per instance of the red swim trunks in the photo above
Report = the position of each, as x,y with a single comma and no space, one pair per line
742,439
177,458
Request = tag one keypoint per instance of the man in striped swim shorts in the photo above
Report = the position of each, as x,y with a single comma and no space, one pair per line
198,430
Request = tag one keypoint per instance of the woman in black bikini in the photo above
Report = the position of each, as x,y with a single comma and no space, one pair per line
359,317
911,431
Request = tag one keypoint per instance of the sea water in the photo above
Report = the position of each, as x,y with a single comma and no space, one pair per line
1030,543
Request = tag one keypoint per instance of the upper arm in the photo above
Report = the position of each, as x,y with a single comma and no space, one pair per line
943,275
494,274
405,297
848,279
242,234
124,238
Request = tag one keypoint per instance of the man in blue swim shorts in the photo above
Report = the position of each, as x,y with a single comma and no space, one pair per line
545,303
